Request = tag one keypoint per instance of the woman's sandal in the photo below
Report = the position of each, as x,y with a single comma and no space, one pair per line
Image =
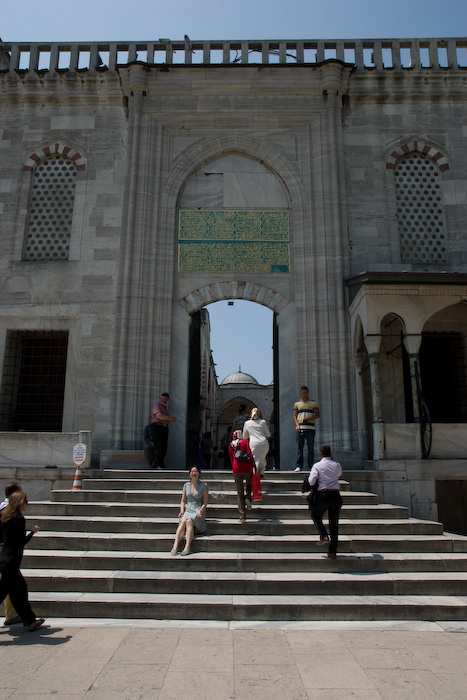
174,552
185,552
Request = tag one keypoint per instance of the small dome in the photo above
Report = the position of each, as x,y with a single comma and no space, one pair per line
239,378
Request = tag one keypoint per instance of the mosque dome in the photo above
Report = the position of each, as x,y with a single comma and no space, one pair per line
239,378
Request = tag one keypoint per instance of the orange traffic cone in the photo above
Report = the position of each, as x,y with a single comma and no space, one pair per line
78,480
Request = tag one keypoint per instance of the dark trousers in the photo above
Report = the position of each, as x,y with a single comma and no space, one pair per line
13,584
150,454
161,436
307,436
330,501
243,492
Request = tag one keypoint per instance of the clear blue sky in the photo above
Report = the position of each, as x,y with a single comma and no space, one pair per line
254,353
142,20
102,20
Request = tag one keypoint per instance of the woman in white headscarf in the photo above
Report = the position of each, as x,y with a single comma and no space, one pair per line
257,432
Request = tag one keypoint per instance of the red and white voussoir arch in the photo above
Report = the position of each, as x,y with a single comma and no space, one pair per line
55,149
417,146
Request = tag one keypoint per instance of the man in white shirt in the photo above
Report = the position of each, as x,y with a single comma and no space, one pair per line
327,472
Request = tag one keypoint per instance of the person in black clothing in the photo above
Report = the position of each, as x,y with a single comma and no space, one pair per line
11,617
12,582
149,445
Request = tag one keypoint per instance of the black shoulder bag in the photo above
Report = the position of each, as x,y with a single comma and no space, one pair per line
312,492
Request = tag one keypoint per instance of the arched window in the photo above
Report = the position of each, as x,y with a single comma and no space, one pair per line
420,214
50,210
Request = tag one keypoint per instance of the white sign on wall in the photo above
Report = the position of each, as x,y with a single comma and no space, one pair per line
79,453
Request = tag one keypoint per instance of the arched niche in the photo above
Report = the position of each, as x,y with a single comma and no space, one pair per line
394,372
443,364
233,181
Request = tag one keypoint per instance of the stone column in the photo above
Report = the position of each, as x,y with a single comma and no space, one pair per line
145,287
412,345
359,359
323,332
372,344
375,391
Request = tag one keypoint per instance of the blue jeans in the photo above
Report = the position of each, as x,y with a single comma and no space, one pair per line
307,436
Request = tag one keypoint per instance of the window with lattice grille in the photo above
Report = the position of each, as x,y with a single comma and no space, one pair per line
420,210
33,385
50,210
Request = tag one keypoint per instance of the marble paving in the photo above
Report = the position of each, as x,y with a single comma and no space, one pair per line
84,659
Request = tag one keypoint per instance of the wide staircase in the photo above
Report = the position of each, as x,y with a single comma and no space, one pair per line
105,552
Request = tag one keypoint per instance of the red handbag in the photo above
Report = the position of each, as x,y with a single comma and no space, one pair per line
256,487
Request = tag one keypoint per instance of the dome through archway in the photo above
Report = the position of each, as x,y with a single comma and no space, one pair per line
239,378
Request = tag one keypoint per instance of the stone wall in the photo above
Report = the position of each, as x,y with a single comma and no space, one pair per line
318,136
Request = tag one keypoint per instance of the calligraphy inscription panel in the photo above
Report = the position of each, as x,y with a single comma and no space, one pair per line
233,241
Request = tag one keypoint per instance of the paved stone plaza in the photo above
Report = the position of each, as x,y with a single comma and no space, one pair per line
108,660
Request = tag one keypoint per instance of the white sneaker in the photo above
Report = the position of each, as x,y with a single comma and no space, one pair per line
297,469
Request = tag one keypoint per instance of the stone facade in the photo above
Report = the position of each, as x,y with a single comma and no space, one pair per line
319,130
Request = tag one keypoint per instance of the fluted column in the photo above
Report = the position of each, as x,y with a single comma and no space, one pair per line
140,372
323,320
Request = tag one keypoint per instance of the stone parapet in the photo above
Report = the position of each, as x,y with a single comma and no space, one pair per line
413,54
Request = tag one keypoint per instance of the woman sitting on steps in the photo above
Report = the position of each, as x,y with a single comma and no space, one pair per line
192,512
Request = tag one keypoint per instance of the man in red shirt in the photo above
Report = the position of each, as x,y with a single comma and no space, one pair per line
160,419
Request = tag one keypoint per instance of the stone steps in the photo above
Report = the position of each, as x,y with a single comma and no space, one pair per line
105,552
224,510
245,543
247,607
269,485
366,563
172,497
254,526
248,582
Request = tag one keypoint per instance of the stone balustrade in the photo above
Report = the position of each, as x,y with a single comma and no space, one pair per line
435,54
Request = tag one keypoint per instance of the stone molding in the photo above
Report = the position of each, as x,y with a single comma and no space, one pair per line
419,146
219,291
263,150
60,148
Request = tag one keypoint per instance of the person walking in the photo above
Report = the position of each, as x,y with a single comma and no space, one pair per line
160,418
257,432
11,616
305,413
240,420
206,448
14,540
224,446
243,464
327,472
